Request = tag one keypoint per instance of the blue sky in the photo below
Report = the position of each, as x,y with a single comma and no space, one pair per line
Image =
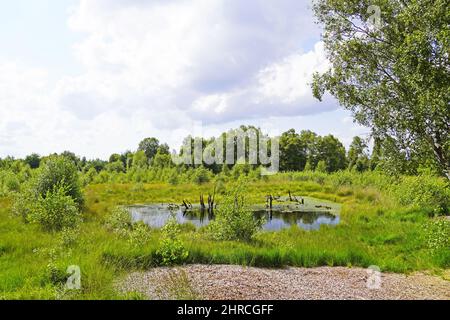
97,76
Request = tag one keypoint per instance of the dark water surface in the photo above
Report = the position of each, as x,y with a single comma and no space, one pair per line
307,216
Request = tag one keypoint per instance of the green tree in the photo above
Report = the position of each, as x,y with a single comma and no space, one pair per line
33,160
234,220
97,164
140,160
392,74
56,210
308,166
321,166
163,149
357,155
116,166
162,160
114,157
72,157
376,155
332,151
150,147
311,140
292,152
58,171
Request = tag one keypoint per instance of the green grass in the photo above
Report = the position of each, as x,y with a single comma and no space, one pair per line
374,230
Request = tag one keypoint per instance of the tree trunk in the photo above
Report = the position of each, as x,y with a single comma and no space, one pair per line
440,156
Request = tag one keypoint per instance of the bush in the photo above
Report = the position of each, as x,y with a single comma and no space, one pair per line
58,171
139,235
201,175
171,250
438,234
234,220
424,191
55,211
8,183
24,204
119,221
68,237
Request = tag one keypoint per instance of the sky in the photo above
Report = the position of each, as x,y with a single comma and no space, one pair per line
97,76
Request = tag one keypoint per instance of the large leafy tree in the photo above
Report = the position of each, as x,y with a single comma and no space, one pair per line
390,67
311,140
332,152
149,146
33,160
292,152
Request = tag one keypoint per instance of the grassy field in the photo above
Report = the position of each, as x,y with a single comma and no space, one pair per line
375,229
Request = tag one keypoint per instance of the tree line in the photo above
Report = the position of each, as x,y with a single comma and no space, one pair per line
299,151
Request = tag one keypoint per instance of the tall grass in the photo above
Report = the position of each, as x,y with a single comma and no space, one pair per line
378,227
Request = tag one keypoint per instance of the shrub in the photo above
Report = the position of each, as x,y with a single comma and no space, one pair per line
438,234
171,250
68,237
201,175
139,235
58,171
24,203
234,220
173,178
119,221
89,176
55,211
424,191
8,182
321,166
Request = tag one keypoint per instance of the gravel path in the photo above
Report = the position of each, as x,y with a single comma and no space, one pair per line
236,282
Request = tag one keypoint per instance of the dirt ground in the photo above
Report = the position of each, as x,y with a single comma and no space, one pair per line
236,283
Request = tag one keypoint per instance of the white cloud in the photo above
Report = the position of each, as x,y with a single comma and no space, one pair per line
201,56
152,67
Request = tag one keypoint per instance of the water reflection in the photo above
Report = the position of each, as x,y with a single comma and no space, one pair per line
157,215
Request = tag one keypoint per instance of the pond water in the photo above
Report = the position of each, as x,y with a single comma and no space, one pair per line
305,217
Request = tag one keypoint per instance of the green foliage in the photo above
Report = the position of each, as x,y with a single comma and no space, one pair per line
234,220
33,160
9,182
140,160
55,211
374,229
201,175
58,171
119,221
393,76
116,166
69,236
139,235
438,234
424,191
293,151
357,155
332,151
171,249
88,177
151,146
321,166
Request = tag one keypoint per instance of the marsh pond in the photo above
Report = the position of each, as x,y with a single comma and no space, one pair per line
308,215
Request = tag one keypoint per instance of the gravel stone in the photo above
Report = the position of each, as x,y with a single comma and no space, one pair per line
226,282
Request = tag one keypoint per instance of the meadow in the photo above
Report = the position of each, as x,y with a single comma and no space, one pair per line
394,223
